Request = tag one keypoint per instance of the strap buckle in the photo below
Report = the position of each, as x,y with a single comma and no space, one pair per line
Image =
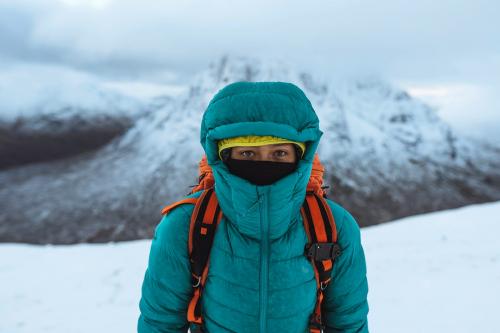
196,281
322,251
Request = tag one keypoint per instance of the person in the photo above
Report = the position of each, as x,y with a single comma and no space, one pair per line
260,141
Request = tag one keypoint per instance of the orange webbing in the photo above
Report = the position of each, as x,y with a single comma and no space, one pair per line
319,226
316,178
330,219
205,176
317,312
193,220
166,209
191,316
308,232
210,211
327,264
317,219
315,206
192,305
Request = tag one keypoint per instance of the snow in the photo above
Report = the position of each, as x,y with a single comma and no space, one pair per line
28,90
75,288
438,272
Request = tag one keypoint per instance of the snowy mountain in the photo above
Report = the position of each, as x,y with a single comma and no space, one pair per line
432,273
387,155
49,112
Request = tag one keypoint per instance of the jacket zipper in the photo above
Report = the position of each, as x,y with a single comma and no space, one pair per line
264,264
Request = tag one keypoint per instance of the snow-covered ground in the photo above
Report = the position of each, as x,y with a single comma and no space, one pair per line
437,272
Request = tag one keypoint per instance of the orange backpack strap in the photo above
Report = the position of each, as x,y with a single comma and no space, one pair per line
321,250
204,221
168,208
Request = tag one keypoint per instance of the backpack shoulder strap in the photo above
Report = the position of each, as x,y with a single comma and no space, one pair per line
204,221
321,250
168,208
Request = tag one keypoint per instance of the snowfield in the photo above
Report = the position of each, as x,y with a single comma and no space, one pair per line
437,272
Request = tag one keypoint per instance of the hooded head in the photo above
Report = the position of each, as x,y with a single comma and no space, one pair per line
277,109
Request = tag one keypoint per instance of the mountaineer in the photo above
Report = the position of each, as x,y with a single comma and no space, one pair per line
256,246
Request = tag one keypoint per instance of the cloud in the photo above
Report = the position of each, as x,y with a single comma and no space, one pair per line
397,37
469,108
416,43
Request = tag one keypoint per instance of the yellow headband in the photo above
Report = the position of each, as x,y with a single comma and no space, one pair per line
255,140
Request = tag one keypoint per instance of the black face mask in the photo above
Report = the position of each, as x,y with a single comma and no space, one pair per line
260,172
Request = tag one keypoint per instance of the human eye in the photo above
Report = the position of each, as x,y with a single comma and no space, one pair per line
247,153
280,153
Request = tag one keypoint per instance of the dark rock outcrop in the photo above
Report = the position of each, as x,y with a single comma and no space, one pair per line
46,138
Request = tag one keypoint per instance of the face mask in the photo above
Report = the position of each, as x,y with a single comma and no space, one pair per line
260,172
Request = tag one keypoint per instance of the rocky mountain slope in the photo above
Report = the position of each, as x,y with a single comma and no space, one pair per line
48,113
387,155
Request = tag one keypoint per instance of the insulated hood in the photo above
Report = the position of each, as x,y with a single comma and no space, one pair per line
260,108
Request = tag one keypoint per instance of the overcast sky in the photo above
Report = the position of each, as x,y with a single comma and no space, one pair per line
445,52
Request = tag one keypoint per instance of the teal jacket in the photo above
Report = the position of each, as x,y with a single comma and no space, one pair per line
259,279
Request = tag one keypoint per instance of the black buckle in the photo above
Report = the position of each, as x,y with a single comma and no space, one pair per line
322,251
195,280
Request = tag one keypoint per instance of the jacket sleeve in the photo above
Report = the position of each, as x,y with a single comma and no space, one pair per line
345,301
166,289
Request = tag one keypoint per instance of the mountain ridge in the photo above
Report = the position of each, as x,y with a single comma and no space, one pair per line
386,155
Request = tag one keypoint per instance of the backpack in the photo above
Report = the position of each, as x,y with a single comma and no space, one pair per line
319,224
